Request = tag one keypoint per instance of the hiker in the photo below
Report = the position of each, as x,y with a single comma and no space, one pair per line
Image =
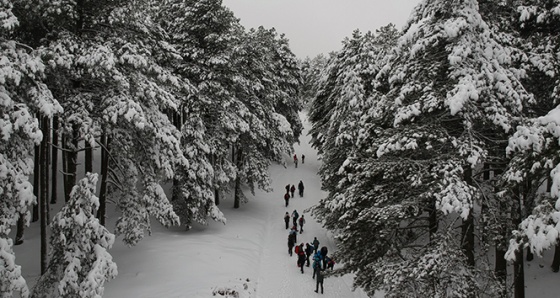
317,259
300,188
287,198
295,160
330,263
295,217
288,188
324,251
302,159
320,279
301,223
292,190
291,243
315,244
293,233
301,257
287,219
308,252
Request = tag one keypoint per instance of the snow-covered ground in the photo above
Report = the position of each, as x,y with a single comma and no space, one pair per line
249,254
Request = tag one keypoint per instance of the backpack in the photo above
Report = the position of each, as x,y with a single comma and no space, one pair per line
301,221
297,250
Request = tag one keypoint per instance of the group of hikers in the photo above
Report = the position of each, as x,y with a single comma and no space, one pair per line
321,260
296,159
291,190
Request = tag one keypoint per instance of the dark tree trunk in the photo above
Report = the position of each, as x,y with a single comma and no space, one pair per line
216,197
43,202
20,230
36,182
104,172
433,223
71,161
54,158
518,265
500,268
238,194
556,261
467,228
64,153
89,159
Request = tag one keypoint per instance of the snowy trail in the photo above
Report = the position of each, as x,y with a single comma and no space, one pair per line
249,254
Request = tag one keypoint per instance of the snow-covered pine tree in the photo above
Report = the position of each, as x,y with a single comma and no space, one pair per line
79,262
534,147
109,65
451,87
22,94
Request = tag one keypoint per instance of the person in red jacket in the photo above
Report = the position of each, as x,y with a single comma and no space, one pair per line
301,257
292,190
287,198
295,160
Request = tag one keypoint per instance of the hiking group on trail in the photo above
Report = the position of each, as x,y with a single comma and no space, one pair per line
321,260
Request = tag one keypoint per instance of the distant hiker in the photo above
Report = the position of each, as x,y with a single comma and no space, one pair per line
292,190
301,223
293,233
315,244
317,259
300,188
295,217
320,279
287,219
288,188
308,252
291,243
287,199
301,257
330,263
324,251
295,160
302,159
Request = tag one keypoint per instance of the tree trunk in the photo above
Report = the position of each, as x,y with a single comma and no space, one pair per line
64,153
500,268
216,196
54,160
433,223
556,261
237,195
71,161
89,159
467,228
104,172
518,265
36,182
43,202
20,230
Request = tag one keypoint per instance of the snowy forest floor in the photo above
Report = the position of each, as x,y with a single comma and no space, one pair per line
248,255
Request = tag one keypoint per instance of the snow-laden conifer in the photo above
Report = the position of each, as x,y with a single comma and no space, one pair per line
79,262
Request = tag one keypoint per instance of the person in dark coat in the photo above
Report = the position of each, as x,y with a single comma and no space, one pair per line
292,190
315,244
320,279
301,223
287,199
293,233
288,189
295,160
317,259
301,257
330,263
308,252
295,216
300,188
324,251
291,243
287,219
302,159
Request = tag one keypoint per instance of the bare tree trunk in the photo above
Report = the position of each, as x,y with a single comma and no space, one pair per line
43,202
556,261
237,195
20,230
54,158
518,265
65,156
432,219
71,157
468,227
36,182
89,159
104,172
